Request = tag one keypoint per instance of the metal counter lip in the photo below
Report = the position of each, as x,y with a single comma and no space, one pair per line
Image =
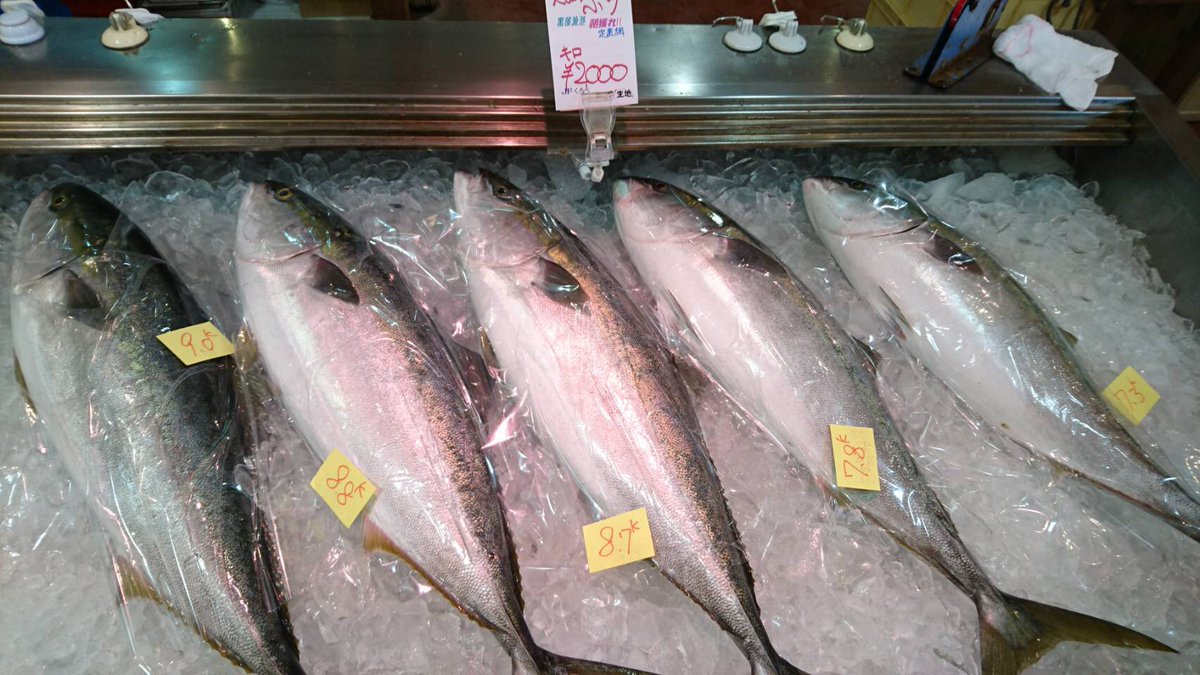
266,85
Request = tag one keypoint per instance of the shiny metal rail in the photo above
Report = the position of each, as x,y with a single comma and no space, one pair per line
261,85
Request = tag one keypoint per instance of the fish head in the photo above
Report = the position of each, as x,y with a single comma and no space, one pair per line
845,208
277,222
650,210
64,224
498,224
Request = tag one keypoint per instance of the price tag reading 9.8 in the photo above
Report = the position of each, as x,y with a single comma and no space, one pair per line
343,487
615,541
854,462
1131,395
197,343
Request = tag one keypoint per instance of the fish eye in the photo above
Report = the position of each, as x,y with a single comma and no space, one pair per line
501,191
857,185
658,186
283,194
58,202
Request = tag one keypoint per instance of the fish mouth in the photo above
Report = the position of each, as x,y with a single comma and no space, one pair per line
499,225
842,212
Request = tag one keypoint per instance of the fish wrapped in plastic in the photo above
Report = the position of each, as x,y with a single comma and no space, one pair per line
968,321
769,344
601,389
361,369
157,446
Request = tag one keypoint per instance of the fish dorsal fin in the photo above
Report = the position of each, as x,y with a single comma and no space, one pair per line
332,281
558,284
1069,337
376,540
743,253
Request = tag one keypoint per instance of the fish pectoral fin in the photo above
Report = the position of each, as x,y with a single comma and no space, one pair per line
131,583
332,281
742,253
22,385
899,322
676,316
1069,337
558,284
488,352
375,540
871,357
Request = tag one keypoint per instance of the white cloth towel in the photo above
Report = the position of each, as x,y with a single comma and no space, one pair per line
1058,64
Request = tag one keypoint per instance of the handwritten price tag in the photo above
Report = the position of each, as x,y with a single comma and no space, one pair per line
854,461
615,541
343,487
591,51
197,343
1131,395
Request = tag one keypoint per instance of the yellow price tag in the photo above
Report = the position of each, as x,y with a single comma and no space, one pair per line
1131,395
854,461
615,541
343,487
197,343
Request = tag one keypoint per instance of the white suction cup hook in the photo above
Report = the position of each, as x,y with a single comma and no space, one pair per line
788,39
742,38
852,33
17,27
123,32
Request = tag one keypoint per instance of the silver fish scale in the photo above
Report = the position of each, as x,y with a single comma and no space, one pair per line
603,392
373,380
164,442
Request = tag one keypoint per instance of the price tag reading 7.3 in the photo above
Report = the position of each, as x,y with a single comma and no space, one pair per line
1131,395
197,343
343,487
615,541
854,461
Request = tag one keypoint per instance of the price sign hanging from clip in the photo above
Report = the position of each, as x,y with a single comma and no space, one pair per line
591,51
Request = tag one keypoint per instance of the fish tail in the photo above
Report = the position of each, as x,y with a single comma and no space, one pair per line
557,664
1015,634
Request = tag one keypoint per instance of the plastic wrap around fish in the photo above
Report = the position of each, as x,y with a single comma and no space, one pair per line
971,324
768,342
603,391
156,445
361,369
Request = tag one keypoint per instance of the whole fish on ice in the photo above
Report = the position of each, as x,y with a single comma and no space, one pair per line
156,444
604,393
361,368
768,342
971,324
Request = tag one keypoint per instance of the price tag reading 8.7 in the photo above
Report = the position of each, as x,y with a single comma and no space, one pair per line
854,461
615,541
343,487
1131,395
197,343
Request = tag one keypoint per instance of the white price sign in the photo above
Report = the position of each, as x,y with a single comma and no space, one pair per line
591,51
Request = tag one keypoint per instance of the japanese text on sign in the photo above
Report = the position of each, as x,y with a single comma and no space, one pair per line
1131,395
197,343
615,541
591,50
854,461
343,487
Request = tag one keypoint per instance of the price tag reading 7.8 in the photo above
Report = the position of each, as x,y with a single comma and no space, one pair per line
197,343
343,487
854,462
615,541
1131,395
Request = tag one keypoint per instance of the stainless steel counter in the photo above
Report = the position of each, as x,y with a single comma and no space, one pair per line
223,84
